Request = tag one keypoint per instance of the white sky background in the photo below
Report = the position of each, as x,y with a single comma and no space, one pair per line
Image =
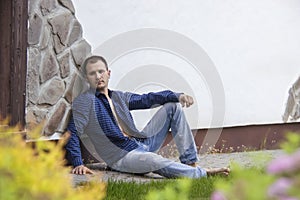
254,44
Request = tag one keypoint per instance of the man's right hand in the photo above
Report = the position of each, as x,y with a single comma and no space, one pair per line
186,100
81,169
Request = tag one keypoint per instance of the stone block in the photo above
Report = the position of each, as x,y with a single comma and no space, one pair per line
80,51
67,4
49,66
46,35
65,120
32,6
60,24
58,46
289,106
296,111
75,86
56,118
296,87
70,86
47,6
34,117
292,109
65,62
32,81
35,29
75,33
51,91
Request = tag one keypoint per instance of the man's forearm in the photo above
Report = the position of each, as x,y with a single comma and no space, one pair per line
73,150
145,101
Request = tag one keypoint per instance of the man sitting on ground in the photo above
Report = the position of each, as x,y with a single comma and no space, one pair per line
103,116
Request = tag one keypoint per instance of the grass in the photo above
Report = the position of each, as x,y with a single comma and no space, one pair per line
120,190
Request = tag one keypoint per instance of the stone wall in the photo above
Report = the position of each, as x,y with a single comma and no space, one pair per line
292,111
56,50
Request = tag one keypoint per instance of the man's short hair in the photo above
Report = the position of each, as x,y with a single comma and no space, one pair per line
92,60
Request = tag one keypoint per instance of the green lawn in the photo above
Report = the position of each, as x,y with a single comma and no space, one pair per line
201,188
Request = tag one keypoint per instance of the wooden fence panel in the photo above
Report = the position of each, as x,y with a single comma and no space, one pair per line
13,23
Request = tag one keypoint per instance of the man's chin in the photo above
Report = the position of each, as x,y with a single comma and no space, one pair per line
100,87
97,87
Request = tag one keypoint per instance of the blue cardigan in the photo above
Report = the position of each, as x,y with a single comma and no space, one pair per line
93,122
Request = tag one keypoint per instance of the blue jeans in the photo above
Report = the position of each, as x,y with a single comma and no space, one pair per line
145,159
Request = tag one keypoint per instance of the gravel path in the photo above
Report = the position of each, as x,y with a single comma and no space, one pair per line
246,159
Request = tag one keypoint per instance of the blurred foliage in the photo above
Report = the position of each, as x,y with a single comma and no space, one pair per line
29,173
278,179
199,188
177,191
292,143
244,183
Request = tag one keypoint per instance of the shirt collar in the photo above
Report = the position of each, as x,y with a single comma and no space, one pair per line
98,94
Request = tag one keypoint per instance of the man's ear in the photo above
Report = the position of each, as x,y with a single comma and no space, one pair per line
109,72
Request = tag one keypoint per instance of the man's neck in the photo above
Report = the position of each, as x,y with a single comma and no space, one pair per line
105,92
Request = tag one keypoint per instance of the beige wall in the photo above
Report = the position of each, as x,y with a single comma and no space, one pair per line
56,48
253,44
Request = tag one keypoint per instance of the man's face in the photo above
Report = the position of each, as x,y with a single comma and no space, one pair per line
97,75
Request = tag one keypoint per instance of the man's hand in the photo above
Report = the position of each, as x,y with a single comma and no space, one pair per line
81,169
186,100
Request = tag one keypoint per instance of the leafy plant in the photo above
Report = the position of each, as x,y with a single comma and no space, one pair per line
38,173
280,179
250,183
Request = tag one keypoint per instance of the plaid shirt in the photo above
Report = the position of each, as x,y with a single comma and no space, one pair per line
92,120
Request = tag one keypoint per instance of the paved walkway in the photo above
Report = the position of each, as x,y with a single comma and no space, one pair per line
246,159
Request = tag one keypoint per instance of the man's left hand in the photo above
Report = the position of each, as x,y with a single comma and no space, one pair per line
186,100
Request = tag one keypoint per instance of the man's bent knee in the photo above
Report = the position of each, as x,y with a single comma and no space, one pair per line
173,106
